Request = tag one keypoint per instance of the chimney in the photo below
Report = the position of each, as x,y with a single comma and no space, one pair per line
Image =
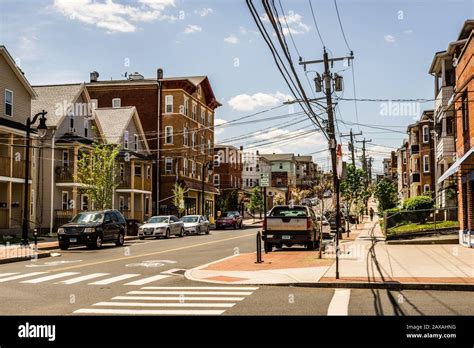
159,74
241,148
94,76
257,152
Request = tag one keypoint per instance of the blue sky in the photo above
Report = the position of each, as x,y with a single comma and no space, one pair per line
393,43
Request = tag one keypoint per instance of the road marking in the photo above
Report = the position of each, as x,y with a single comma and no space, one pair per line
177,298
82,278
21,276
199,288
7,274
50,277
340,302
150,311
138,292
114,279
148,280
169,304
149,254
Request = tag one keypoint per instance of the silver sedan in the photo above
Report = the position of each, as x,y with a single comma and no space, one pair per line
195,224
161,226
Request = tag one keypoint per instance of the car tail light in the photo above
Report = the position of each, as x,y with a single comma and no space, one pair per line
309,223
264,224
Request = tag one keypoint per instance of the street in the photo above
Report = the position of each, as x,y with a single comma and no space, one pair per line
146,277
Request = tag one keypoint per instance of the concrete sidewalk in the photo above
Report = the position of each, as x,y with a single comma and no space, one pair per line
365,260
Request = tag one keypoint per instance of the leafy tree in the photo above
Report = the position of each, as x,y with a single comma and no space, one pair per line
353,188
278,199
178,198
97,172
228,200
386,194
256,201
299,195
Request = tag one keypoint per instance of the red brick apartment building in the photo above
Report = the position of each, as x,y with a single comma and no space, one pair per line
181,109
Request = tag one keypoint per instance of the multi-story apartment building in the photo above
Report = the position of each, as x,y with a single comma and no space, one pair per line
227,174
305,171
16,94
402,171
177,115
283,171
386,167
421,155
253,166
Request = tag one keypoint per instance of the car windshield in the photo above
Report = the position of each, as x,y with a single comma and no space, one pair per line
158,219
227,214
87,218
288,212
189,219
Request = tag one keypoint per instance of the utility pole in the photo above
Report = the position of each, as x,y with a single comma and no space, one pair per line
370,168
364,167
351,144
328,79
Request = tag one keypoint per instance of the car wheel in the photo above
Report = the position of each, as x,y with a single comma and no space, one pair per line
181,234
167,233
121,239
235,226
98,242
241,225
63,246
207,231
268,247
198,230
310,246
141,238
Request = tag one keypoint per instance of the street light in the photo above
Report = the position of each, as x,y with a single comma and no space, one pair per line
42,128
209,167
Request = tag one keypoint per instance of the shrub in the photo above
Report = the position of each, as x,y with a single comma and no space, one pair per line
419,203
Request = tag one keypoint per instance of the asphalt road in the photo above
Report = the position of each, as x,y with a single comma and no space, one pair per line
134,280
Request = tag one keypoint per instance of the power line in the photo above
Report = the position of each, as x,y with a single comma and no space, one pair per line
316,23
340,25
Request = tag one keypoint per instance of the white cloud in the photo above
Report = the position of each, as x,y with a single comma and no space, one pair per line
191,29
294,21
232,39
218,122
389,38
112,16
203,12
245,102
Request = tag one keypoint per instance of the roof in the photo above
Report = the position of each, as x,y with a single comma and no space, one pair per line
18,72
69,138
198,187
435,67
113,122
304,158
49,97
279,157
12,124
466,29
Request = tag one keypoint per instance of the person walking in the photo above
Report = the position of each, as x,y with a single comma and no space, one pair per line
371,213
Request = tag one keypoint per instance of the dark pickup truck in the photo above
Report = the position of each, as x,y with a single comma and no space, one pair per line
290,225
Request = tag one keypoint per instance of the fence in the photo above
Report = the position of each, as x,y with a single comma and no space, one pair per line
423,221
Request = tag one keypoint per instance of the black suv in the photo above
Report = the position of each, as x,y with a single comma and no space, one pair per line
93,228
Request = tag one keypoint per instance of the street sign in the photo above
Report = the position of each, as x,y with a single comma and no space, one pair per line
264,180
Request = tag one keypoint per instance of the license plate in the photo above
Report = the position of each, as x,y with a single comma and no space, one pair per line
148,233
73,240
285,237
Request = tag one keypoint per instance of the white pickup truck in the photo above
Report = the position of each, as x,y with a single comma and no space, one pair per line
290,225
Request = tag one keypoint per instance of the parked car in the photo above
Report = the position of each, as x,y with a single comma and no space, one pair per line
93,228
161,226
195,224
331,216
290,225
229,219
326,226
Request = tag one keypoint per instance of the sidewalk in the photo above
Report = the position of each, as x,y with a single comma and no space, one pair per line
365,260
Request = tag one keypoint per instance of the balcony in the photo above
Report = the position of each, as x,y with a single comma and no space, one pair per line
64,174
415,178
445,148
414,149
444,94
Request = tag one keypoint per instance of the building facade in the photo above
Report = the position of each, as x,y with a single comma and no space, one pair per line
254,165
283,172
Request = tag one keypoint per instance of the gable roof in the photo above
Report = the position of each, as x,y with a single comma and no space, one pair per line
18,72
112,123
49,97
279,157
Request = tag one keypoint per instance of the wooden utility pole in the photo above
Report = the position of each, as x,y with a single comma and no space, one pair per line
364,167
351,144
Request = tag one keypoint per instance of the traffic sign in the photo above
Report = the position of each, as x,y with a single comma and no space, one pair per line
264,180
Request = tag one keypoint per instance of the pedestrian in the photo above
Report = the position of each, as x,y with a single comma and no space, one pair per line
371,213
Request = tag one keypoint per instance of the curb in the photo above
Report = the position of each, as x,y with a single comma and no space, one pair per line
387,286
422,242
18,259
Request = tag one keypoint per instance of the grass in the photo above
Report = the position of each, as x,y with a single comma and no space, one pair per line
416,227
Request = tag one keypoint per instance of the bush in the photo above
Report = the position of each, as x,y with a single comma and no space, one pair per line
419,203
392,211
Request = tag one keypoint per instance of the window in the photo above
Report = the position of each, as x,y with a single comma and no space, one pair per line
257,182
169,104
279,181
122,172
426,164
281,165
8,103
121,203
209,146
148,172
465,112
404,157
426,188
185,137
84,202
116,102
194,111
185,166
86,127
193,169
125,140
71,124
168,135
65,200
404,178
246,182
138,170
257,167
203,144
203,115
209,119
186,106
251,182
65,158
426,134
217,180
94,104
135,142
193,140
168,165
217,160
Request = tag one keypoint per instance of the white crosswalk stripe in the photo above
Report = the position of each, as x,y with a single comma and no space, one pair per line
49,277
114,279
148,280
82,278
20,276
174,300
7,274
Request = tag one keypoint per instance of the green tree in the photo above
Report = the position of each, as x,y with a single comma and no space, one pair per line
352,187
278,199
228,200
386,194
256,201
178,198
97,172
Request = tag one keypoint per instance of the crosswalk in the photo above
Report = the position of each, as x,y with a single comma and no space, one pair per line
71,278
172,300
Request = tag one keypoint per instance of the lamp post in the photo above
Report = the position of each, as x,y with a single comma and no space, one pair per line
209,167
42,128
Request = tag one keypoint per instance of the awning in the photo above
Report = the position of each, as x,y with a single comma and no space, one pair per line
198,187
454,168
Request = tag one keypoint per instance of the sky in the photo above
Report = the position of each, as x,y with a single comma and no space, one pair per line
394,41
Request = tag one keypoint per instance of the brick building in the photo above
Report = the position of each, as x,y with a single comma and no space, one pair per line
227,174
402,171
180,110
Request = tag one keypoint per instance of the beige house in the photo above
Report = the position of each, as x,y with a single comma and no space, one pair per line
121,126
15,99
